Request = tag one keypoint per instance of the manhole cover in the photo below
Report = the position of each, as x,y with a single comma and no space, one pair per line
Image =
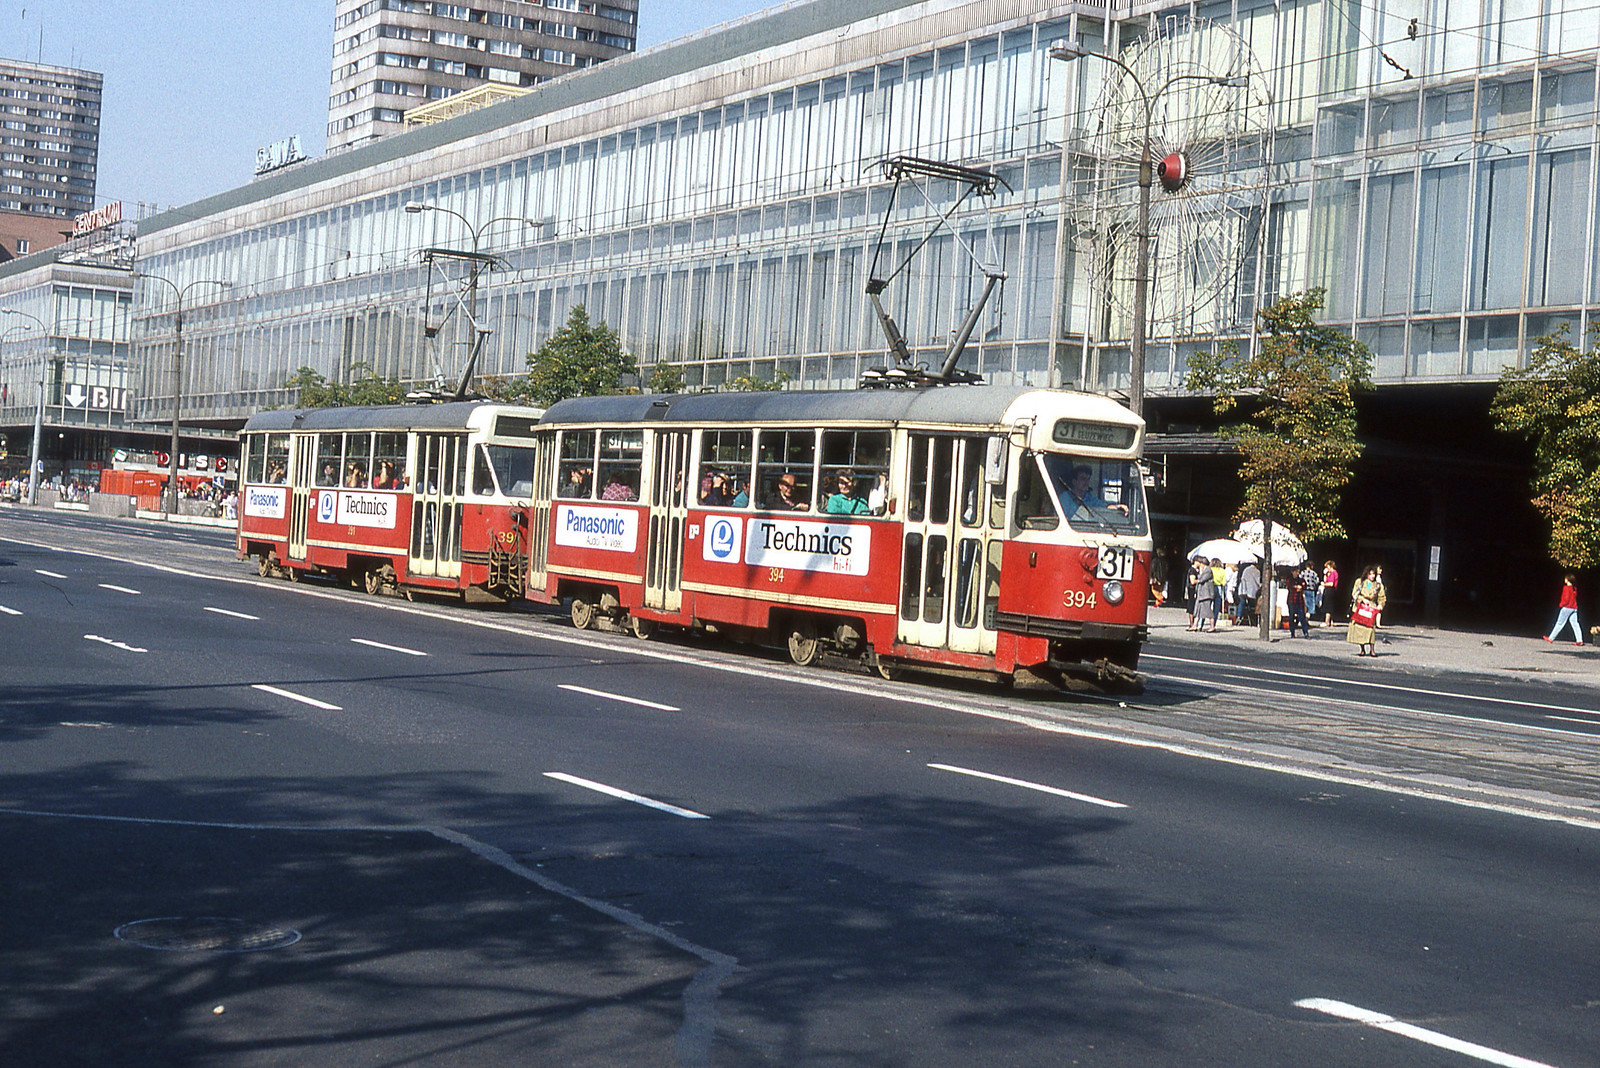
205,934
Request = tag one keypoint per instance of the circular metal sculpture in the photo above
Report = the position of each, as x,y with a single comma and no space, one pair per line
1194,89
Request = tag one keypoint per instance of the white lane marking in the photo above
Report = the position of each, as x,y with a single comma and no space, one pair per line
48,574
1420,1034
1363,683
619,697
9,611
226,612
1502,800
118,589
1026,785
302,698
612,791
390,648
114,644
1573,719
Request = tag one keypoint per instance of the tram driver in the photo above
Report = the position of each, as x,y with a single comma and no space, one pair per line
1078,491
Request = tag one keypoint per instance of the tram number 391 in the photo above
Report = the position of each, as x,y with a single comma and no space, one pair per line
1116,562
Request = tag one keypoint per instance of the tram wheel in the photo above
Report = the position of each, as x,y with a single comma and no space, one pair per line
372,580
803,644
884,669
264,565
641,628
583,613
293,574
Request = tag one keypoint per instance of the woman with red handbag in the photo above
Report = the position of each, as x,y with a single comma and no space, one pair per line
1366,602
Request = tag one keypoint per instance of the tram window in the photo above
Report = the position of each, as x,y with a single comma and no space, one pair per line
940,479
255,455
933,581
621,464
458,464
389,462
511,467
330,458
855,469
577,464
911,575
969,588
725,468
1036,507
1097,494
917,480
972,482
785,468
357,460
991,584
277,459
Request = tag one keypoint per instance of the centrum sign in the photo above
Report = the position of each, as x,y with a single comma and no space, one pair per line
98,219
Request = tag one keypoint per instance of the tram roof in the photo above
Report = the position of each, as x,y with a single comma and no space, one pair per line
449,415
968,405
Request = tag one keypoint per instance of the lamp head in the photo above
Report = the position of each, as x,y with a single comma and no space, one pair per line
1067,50
415,207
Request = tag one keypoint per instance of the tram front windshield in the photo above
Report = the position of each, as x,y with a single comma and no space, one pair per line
1094,494
512,467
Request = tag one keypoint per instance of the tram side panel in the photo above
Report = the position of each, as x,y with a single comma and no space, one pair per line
744,569
1070,604
595,549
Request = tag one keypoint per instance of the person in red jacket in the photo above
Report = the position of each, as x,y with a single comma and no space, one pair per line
1568,612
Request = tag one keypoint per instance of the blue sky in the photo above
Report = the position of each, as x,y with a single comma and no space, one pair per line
194,87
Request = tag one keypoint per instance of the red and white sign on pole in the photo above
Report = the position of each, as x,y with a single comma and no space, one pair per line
98,219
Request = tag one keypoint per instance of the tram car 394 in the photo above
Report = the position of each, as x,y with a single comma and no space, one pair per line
396,498
979,530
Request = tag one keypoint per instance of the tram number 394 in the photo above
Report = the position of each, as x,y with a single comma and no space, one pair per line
1116,562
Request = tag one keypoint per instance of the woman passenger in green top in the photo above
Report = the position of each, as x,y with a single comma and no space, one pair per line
845,501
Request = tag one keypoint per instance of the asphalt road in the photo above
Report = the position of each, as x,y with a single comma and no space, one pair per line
382,833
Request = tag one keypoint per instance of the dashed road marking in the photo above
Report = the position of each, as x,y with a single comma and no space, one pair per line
302,698
1026,785
389,648
118,589
226,612
619,697
48,574
114,643
1420,1034
612,791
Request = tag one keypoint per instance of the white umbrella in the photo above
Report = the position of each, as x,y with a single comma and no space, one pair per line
1225,549
1286,548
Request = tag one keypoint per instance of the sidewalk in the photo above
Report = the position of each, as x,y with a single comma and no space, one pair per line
1409,649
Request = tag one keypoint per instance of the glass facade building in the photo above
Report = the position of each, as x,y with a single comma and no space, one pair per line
719,201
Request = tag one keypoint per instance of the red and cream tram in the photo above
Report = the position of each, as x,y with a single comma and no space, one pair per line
399,497
979,529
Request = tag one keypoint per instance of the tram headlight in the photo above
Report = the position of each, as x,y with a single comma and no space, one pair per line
1112,592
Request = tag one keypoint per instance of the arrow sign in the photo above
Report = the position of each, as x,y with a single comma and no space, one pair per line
76,396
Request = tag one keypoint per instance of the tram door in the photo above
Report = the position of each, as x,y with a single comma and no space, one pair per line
302,464
669,510
539,511
949,569
441,478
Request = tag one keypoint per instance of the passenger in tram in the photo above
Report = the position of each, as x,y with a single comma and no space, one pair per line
847,500
621,486
355,476
722,489
788,499
580,481
386,478
277,473
330,474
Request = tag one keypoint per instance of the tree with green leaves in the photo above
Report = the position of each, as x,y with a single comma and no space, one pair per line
1554,402
582,359
314,390
1294,395
749,383
666,378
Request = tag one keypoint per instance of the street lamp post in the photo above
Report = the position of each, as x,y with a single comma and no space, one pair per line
479,260
38,411
1141,279
177,377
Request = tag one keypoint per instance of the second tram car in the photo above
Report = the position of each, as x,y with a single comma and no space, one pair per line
399,498
975,529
